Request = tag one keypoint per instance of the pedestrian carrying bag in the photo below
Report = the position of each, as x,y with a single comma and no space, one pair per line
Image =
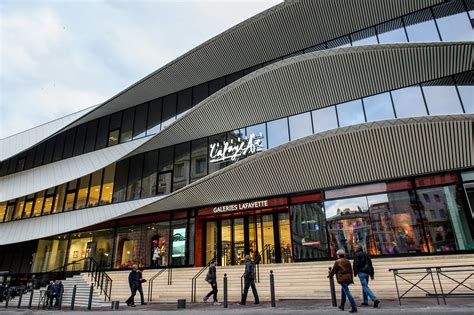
209,278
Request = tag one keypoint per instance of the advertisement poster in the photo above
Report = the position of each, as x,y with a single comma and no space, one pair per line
179,242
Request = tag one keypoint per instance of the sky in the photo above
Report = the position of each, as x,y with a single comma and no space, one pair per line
60,56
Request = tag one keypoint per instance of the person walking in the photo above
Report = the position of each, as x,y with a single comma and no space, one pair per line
49,293
211,278
343,271
140,288
363,269
133,282
249,277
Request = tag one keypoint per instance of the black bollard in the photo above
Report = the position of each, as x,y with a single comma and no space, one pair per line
20,298
272,288
31,299
9,293
225,290
73,298
89,305
333,289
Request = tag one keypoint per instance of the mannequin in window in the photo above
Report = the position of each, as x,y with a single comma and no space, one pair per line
156,256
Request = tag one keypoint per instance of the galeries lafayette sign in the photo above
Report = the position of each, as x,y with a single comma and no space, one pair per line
241,206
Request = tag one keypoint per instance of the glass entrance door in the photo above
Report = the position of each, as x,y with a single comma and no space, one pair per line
266,236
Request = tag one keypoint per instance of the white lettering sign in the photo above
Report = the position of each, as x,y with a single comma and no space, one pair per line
233,151
241,206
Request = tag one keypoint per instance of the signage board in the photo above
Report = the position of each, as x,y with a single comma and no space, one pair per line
235,150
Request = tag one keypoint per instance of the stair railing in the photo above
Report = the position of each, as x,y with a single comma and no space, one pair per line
100,278
59,273
196,276
257,261
168,268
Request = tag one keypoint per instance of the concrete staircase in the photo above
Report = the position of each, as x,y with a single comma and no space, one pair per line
292,281
82,282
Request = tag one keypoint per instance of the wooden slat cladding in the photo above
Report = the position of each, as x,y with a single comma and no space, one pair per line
281,30
352,155
315,80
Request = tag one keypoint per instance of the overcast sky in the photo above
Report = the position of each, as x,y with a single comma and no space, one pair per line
58,57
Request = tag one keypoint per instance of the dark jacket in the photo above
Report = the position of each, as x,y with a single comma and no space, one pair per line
343,271
56,289
249,270
133,279
211,276
49,289
363,263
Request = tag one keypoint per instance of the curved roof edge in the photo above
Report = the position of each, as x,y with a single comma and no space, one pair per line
315,80
402,148
53,174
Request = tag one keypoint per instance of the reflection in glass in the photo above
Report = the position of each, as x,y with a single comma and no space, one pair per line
268,239
350,113
28,208
48,201
149,174
157,237
9,212
226,243
441,97
211,240
198,159
277,132
59,198
113,137
300,126
181,166
259,130
421,27
239,242
324,119
392,32
108,185
3,209
50,253
464,83
178,247
453,22
409,102
83,192
94,193
378,107
94,244
285,237
127,247
135,177
364,37
69,205
38,204
154,117
216,140
164,184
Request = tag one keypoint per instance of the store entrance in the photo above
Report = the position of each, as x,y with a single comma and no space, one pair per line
230,239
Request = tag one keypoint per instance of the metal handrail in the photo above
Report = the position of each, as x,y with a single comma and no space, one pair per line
194,280
169,268
100,276
440,271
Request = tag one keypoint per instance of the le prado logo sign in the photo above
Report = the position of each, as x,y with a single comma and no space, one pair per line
233,151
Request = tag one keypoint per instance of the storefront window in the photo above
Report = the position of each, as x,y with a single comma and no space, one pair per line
178,246
226,242
285,237
211,240
127,247
50,254
308,225
157,237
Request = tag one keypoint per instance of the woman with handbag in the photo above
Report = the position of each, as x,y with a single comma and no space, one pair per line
211,278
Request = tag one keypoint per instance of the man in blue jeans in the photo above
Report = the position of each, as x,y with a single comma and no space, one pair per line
343,271
363,269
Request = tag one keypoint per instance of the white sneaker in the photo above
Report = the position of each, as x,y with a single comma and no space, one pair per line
216,303
204,299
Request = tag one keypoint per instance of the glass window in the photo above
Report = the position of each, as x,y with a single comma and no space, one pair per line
166,159
178,246
343,41
392,32
113,137
20,164
464,83
277,132
453,228
12,165
164,184
9,212
38,206
441,97
421,27
94,192
50,253
378,107
324,119
157,238
91,135
154,117
83,192
364,37
20,203
80,139
59,146
181,166
70,196
216,85
250,70
38,154
3,209
126,132
108,185
200,92
217,140
69,143
169,110
409,102
49,151
185,100
30,157
48,201
120,184
350,113
316,48
348,224
115,121
103,133
198,159
300,126
135,177
95,244
59,198
28,206
3,168
233,77
149,174
453,22
260,131
127,247
139,127
192,234
308,226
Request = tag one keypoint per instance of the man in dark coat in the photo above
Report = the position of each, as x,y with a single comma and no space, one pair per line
343,271
211,278
49,292
363,269
249,277
133,282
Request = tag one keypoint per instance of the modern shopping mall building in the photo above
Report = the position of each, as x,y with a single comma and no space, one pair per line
312,126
